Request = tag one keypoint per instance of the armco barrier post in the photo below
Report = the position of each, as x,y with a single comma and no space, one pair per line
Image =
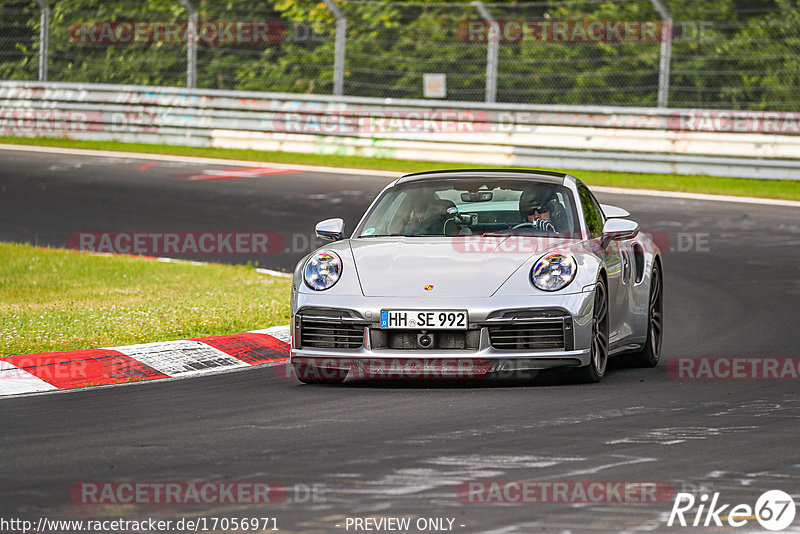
339,47
191,45
665,58
492,51
44,38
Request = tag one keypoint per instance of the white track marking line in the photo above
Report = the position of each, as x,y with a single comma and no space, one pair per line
188,376
181,358
15,381
696,196
176,359
269,272
197,159
230,174
273,273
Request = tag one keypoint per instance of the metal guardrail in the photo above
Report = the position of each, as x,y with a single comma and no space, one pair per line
573,137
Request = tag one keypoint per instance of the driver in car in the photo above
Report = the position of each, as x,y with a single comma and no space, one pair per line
536,211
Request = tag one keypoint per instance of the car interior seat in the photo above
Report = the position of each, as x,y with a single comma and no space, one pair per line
435,216
558,216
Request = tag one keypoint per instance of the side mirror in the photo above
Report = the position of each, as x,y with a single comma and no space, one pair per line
615,229
613,212
330,229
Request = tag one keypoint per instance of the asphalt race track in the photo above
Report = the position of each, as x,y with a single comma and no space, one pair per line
401,449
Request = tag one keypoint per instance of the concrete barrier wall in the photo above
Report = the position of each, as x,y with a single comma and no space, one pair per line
744,144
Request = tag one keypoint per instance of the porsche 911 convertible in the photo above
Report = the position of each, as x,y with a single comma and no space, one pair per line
479,272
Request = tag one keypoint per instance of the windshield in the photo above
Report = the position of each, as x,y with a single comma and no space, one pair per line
472,206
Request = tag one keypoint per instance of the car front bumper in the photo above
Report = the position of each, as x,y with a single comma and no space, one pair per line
361,316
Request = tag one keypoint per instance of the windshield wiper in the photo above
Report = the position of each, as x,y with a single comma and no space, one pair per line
386,235
402,235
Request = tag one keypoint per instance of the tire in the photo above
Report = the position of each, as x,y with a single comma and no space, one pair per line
598,361
651,351
308,374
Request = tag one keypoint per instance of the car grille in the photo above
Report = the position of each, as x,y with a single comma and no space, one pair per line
329,334
539,333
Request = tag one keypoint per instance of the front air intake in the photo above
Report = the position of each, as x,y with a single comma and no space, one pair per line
330,334
545,331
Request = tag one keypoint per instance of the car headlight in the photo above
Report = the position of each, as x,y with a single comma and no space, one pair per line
323,270
553,272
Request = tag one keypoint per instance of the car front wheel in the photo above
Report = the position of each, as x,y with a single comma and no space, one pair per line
651,352
599,344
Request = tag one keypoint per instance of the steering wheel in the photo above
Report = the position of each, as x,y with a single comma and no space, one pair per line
529,224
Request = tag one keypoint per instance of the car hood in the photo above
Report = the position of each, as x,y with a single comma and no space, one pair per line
463,267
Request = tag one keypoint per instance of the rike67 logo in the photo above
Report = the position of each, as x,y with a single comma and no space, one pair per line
774,510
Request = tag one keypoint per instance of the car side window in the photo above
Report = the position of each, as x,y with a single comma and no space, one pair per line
591,212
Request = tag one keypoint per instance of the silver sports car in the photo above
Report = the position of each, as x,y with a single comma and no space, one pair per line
476,273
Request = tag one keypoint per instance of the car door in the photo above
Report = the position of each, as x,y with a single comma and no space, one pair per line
615,268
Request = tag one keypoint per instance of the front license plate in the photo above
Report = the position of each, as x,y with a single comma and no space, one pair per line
424,319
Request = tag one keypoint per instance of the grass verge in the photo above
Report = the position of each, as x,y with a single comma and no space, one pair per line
53,300
783,189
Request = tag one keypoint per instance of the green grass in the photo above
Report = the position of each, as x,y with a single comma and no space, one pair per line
54,300
783,189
